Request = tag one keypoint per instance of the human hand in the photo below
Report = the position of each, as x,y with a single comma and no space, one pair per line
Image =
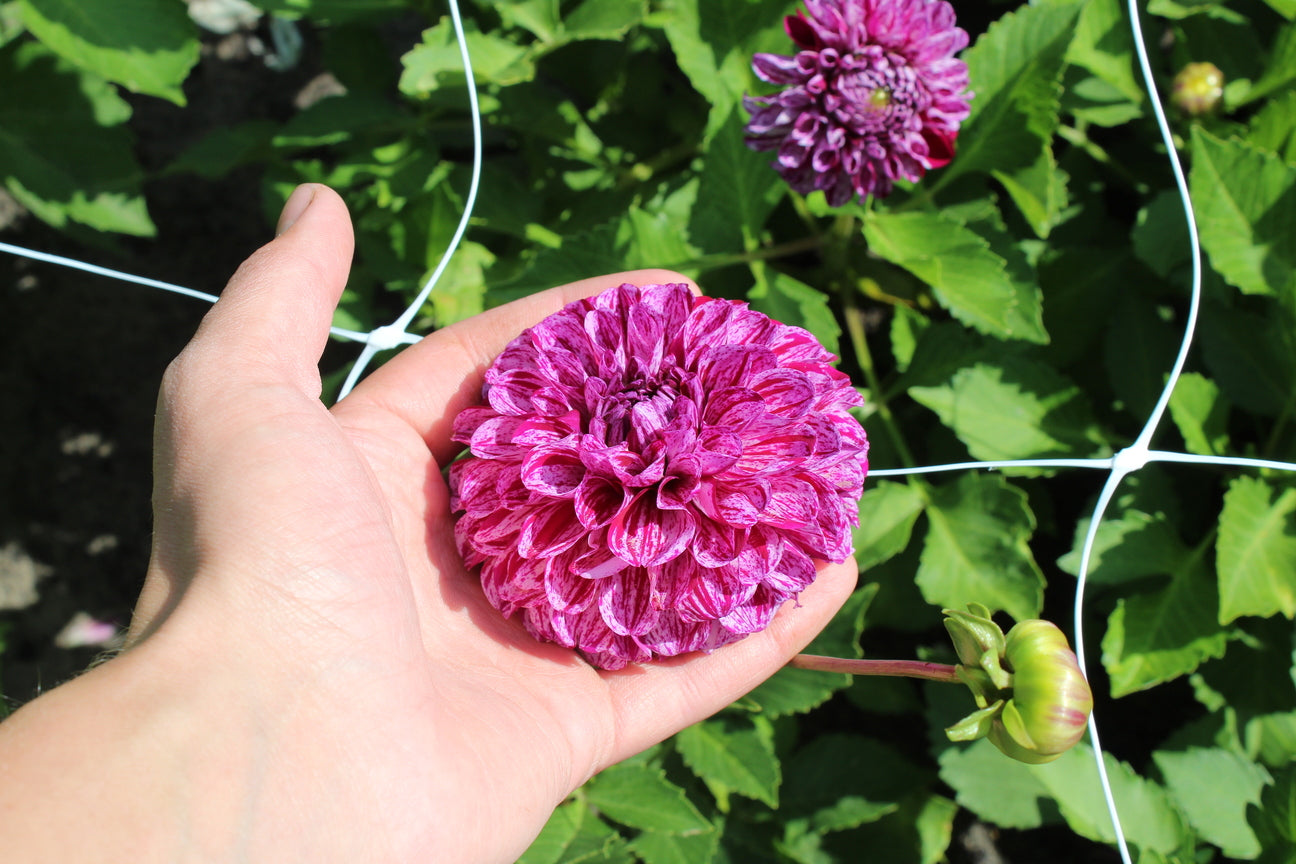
331,676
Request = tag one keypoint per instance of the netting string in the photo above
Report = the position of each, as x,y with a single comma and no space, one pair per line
395,334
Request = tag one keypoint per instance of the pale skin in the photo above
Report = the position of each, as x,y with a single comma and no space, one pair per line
311,674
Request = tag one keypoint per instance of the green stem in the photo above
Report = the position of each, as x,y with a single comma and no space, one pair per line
764,253
942,672
855,326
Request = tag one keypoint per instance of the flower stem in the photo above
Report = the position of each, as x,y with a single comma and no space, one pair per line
881,668
764,253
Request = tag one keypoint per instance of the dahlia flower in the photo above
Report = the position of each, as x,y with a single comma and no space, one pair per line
874,95
654,473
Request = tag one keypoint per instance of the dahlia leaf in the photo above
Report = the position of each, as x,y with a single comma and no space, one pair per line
602,19
1136,539
436,61
795,691
144,45
74,164
1015,69
1148,816
1201,413
1039,190
654,847
1251,356
1104,45
968,279
1245,201
837,782
887,514
737,193
733,754
1274,820
1157,637
1214,786
556,837
1013,408
714,40
1138,347
977,548
1256,552
997,789
642,797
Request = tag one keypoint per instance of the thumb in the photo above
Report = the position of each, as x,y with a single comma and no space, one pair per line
271,321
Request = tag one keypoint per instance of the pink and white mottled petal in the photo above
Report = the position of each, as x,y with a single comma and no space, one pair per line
733,408
716,544
786,392
794,573
751,618
567,592
625,602
713,595
555,471
598,501
645,536
467,421
549,529
792,503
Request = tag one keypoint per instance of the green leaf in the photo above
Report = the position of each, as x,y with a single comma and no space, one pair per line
996,788
1149,818
556,837
1013,408
1252,357
714,40
967,278
1157,637
978,548
335,119
793,302
1213,788
1257,550
733,754
887,513
1160,237
1104,45
1201,414
436,62
738,190
1274,820
1285,8
1039,190
837,782
1016,69
1137,539
1273,128
602,19
643,798
795,691
66,155
1245,200
1280,73
1272,738
657,848
147,46
329,11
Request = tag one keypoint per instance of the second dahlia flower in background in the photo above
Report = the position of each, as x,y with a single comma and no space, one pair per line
655,473
874,95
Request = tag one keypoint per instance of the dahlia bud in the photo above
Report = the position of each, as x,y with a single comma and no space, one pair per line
1050,703
1197,89
1033,702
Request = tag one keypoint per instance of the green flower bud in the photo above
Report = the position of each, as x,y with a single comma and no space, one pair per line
1197,89
1050,703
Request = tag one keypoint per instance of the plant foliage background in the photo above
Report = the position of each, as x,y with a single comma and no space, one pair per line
1026,301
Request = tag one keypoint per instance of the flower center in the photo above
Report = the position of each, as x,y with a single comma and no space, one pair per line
878,92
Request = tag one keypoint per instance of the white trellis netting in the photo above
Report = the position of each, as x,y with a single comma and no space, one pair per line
1117,467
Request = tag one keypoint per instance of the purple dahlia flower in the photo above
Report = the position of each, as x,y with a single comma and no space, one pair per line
874,95
656,472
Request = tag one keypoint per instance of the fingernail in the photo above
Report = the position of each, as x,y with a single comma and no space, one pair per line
295,206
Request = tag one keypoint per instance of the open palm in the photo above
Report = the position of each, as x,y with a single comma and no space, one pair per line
305,557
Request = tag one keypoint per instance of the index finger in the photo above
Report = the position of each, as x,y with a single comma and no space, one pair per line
429,383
